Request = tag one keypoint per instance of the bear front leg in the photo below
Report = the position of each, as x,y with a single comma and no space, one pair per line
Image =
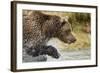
32,52
52,51
48,50
43,50
36,51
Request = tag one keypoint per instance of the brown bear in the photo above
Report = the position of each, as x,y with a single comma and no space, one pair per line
39,27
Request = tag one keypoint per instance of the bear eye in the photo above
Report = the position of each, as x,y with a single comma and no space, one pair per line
63,23
68,31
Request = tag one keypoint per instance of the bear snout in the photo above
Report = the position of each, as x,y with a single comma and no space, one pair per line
71,39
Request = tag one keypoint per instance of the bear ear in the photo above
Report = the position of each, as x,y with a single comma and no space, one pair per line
64,18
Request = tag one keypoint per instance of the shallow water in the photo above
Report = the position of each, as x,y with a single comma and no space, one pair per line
81,54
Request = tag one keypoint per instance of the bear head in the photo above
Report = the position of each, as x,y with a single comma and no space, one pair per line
59,27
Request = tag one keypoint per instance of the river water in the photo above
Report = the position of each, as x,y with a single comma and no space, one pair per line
80,54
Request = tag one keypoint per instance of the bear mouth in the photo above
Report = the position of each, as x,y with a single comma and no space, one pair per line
69,41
